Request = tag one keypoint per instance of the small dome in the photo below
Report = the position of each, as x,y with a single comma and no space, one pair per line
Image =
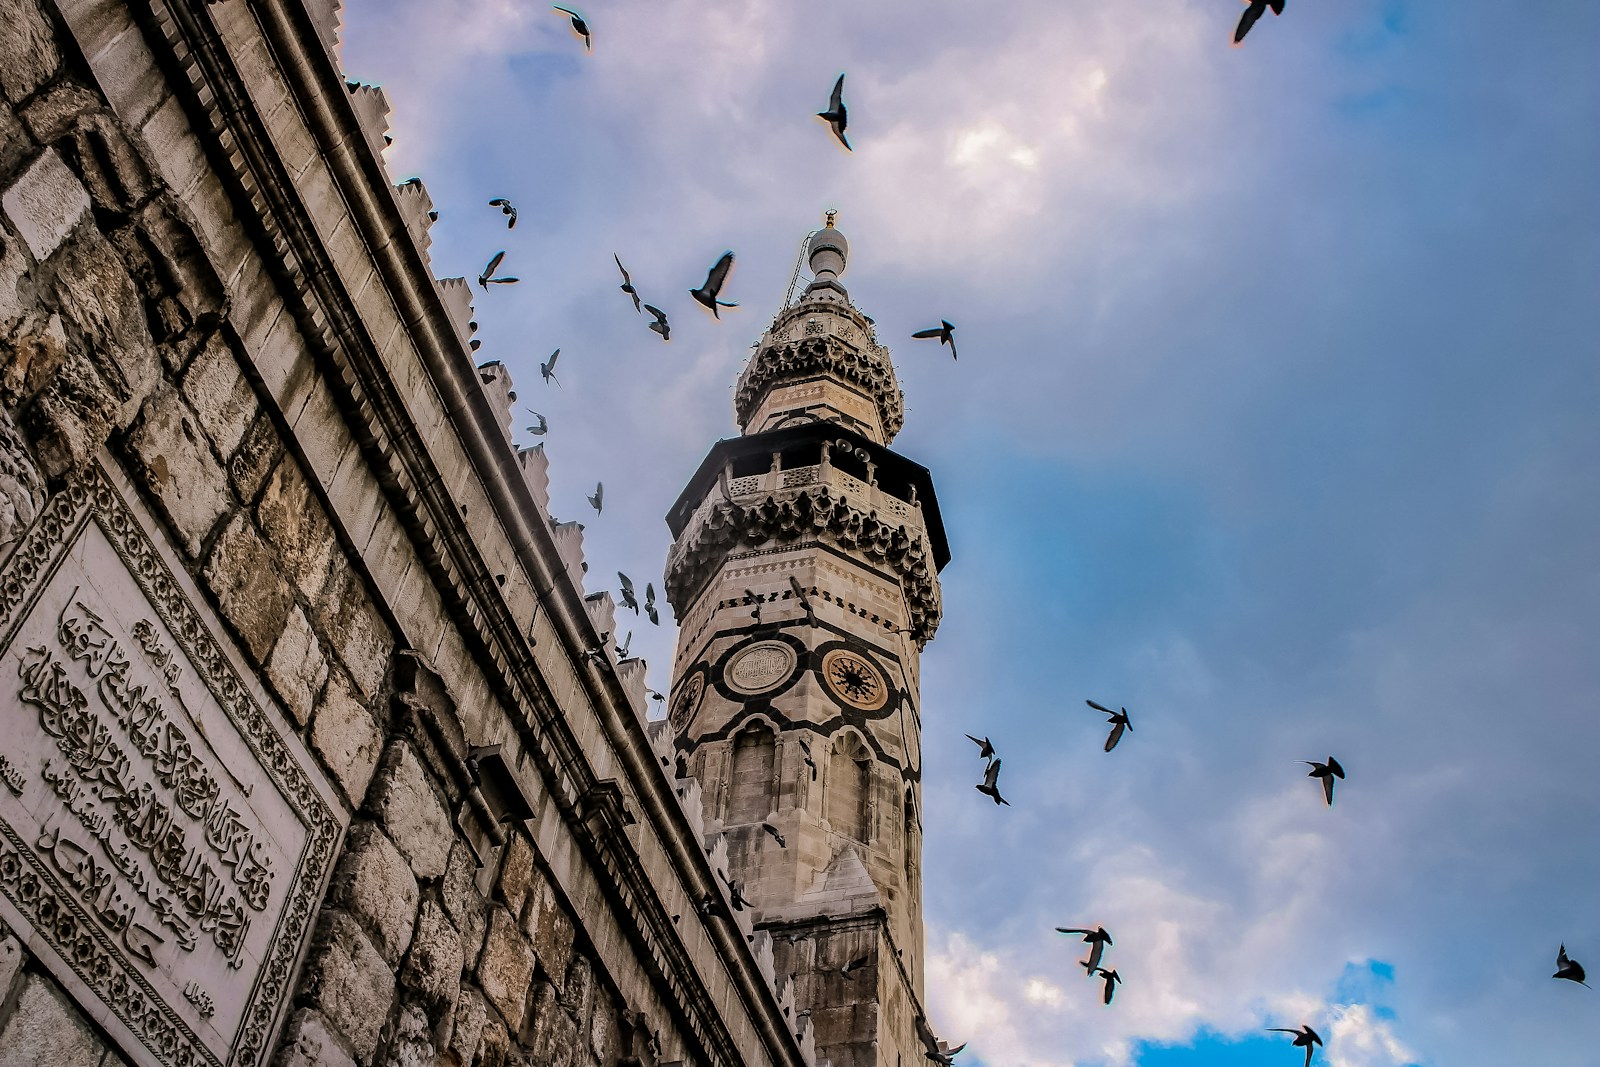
828,237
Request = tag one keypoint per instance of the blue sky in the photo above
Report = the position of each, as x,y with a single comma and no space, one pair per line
1275,421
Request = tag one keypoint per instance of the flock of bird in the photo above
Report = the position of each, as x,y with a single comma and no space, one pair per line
709,295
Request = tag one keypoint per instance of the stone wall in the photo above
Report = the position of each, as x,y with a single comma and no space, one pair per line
217,322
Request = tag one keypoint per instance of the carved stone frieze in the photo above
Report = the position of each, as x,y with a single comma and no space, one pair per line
816,514
868,368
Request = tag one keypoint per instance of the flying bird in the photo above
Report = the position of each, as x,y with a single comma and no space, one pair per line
1327,772
837,112
597,654
854,965
1119,722
507,209
547,369
707,293
805,757
947,1056
627,282
1256,9
622,649
989,788
772,831
1569,968
1305,1038
628,600
657,697
1112,978
944,332
581,27
598,497
485,280
661,325
736,898
650,604
985,749
1097,940
543,427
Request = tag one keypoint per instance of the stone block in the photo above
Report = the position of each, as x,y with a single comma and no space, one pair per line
32,358
298,668
467,907
493,1045
516,872
579,987
412,812
244,574
11,960
258,453
45,202
71,417
21,487
177,467
293,521
550,929
412,1043
347,737
434,964
29,56
553,1035
355,631
347,979
307,1042
506,968
220,396
51,116
375,886
45,1028
104,314
471,1013
114,171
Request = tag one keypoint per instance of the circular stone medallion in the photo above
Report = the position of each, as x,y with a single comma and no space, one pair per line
854,680
688,701
760,667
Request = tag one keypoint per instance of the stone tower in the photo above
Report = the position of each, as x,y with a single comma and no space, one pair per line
804,576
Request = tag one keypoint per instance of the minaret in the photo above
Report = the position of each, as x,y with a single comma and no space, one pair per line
804,576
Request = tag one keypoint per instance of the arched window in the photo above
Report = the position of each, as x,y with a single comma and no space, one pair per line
750,798
849,787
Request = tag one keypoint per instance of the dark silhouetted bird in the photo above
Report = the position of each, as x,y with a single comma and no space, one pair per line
805,757
854,965
711,904
543,427
506,209
837,112
485,280
985,749
1305,1038
1119,722
627,282
547,369
736,898
946,334
628,600
597,654
650,604
661,325
772,831
989,788
1097,940
1569,968
1327,772
947,1056
580,27
752,598
657,697
598,497
707,295
1112,978
622,649
1256,9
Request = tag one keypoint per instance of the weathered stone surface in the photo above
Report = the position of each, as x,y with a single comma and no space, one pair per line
28,52
44,204
298,668
45,1029
11,960
493,1045
467,907
71,417
113,169
579,986
412,1045
220,395
21,487
434,964
51,115
254,459
178,468
243,572
32,358
506,968
307,1042
355,631
469,1019
516,872
554,1037
375,885
293,521
412,812
348,980
550,928
347,738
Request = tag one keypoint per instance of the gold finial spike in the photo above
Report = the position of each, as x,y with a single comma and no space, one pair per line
831,213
